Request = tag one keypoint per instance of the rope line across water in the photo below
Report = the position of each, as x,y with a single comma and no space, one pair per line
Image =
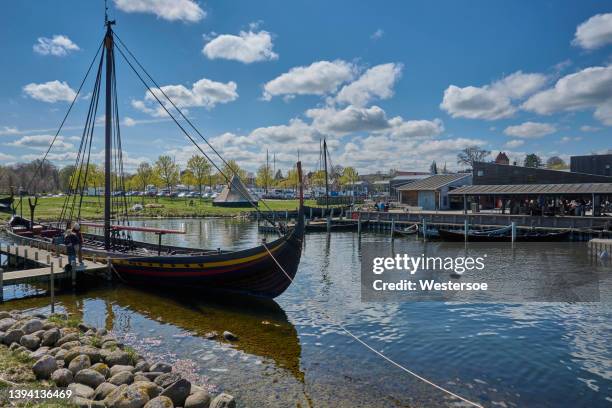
366,345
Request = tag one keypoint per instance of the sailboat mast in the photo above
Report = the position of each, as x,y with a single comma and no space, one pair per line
108,139
326,177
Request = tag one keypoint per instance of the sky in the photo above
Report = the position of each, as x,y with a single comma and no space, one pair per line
389,85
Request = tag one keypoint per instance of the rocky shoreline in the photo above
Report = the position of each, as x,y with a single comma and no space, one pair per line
100,371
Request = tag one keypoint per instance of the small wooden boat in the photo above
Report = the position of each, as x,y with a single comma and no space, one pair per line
321,226
459,235
411,230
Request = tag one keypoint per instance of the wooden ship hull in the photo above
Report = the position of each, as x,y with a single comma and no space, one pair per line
406,232
321,212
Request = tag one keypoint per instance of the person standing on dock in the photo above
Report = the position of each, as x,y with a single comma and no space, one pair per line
76,229
71,241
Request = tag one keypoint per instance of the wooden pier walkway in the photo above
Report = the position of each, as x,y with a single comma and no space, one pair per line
49,266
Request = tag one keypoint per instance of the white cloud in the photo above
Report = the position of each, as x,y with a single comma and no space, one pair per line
567,139
376,82
52,91
9,130
587,128
530,130
171,10
513,144
41,142
377,34
349,119
203,93
59,46
589,88
6,157
319,78
247,47
493,101
595,32
401,129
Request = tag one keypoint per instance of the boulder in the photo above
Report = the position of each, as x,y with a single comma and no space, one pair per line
103,390
81,402
229,336
91,352
152,375
62,377
125,397
44,367
199,399
50,337
68,337
124,377
167,379
49,326
139,377
30,341
163,367
6,323
211,335
102,369
32,326
60,354
101,332
70,344
83,327
81,390
89,377
142,366
178,392
160,402
38,334
116,369
117,357
223,400
110,345
42,351
4,314
13,336
152,390
14,346
79,363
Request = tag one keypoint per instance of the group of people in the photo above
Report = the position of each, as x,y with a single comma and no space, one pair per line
543,206
73,239
381,206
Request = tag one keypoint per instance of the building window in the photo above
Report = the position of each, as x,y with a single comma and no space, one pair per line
480,173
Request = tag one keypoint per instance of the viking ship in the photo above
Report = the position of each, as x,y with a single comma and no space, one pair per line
265,270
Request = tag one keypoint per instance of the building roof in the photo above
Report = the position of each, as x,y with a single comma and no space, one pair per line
535,189
502,158
411,177
433,182
235,192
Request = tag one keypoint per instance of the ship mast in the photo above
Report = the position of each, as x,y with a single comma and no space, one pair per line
108,136
326,177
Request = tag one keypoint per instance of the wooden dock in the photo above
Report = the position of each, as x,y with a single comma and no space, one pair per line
48,266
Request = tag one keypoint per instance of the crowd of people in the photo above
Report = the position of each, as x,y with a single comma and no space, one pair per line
543,206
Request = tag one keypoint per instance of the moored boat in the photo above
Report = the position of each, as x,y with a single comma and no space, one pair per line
530,236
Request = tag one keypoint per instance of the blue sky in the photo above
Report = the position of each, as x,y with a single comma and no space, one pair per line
390,85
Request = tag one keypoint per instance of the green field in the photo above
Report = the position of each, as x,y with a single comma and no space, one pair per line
49,208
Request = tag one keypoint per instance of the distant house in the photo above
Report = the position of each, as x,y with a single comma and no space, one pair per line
431,193
502,158
235,194
495,174
600,164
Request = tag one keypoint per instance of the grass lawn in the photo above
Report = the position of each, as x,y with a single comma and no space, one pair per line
49,208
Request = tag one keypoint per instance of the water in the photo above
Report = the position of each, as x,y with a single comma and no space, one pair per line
289,355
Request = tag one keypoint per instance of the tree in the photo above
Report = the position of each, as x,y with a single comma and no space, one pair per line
556,163
264,177
199,169
167,171
471,154
144,175
532,160
433,169
231,168
64,177
349,176
444,170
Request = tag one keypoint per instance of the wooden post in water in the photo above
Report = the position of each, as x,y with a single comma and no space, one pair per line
52,284
513,231
392,229
329,223
1,285
424,229
311,213
287,215
465,229
109,268
359,225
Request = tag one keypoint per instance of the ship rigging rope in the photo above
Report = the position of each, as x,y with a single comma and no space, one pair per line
234,172
380,354
76,96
